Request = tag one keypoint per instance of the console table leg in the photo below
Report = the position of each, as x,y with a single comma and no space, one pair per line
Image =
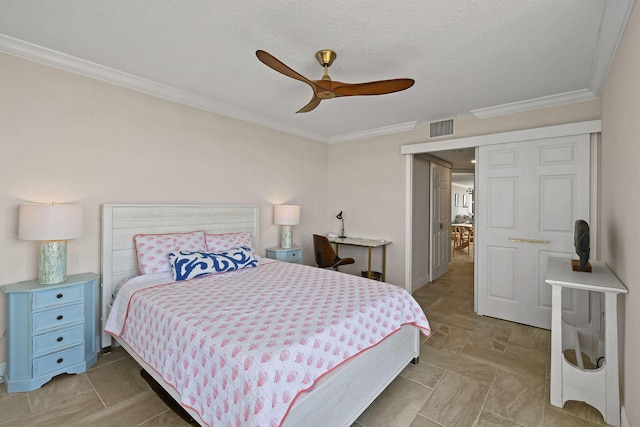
612,396
556,346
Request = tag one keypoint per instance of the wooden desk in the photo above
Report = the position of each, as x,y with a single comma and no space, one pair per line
367,243
598,387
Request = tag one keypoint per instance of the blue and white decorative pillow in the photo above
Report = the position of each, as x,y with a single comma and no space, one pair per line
188,265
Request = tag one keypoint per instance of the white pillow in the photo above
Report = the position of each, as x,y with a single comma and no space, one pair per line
152,250
226,241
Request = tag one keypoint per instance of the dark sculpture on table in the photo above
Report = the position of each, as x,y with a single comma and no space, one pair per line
581,242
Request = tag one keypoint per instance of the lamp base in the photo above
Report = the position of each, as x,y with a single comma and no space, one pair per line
53,262
287,237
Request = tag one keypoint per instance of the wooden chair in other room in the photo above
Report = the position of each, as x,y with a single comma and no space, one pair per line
456,236
325,255
469,238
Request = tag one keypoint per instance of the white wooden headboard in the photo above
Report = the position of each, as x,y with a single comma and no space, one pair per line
120,222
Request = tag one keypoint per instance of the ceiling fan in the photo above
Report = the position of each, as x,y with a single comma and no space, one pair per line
326,88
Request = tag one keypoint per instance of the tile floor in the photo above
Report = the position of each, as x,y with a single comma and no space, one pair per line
473,371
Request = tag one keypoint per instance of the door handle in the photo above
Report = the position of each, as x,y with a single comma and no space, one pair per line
536,241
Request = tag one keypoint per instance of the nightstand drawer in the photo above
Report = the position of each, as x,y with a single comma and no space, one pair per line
58,361
293,256
56,340
58,317
53,297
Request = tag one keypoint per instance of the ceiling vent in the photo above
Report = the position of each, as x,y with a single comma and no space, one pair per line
441,128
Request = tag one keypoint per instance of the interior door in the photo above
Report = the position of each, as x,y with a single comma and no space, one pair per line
440,250
532,192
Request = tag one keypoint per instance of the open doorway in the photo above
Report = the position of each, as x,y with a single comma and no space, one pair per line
507,200
460,209
462,162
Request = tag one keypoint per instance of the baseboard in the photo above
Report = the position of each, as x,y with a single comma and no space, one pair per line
3,368
624,420
419,282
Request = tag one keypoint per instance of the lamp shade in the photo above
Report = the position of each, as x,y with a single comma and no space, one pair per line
49,222
286,215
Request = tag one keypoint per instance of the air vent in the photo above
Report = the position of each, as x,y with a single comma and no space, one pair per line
441,128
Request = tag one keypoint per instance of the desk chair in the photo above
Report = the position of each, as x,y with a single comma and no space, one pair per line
325,255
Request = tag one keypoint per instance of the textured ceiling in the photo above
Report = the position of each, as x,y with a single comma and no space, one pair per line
464,55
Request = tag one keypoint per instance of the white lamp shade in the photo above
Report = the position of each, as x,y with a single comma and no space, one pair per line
286,215
49,222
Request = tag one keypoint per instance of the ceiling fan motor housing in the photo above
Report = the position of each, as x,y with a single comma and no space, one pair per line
326,57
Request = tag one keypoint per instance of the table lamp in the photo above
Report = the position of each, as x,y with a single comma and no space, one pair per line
287,216
53,225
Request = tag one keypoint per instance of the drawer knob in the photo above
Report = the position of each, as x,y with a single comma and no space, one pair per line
59,296
59,317
59,339
59,360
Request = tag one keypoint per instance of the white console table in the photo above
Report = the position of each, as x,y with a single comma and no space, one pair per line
598,387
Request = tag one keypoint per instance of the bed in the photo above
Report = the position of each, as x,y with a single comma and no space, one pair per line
335,388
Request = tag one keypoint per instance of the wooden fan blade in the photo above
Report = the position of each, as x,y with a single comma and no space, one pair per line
273,62
379,87
315,101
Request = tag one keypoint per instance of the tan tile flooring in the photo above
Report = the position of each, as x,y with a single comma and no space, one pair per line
473,371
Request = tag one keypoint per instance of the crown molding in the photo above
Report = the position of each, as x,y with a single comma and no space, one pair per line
534,104
614,21
90,69
385,130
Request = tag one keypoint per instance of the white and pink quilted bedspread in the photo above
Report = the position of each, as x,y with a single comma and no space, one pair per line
239,347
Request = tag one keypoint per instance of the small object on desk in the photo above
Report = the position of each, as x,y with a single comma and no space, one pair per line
292,255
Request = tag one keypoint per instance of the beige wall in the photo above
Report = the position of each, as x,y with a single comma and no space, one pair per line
620,171
68,138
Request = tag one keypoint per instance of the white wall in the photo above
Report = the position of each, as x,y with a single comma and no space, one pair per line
68,138
620,171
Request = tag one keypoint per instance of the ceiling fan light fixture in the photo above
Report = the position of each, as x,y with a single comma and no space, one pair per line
326,57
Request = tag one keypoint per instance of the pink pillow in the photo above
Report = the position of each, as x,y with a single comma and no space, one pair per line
226,241
152,250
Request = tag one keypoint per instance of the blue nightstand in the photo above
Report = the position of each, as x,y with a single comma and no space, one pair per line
293,255
51,329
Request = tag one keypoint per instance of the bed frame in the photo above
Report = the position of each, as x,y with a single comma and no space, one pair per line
325,403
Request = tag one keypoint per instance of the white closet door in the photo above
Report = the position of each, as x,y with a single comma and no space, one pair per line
531,193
